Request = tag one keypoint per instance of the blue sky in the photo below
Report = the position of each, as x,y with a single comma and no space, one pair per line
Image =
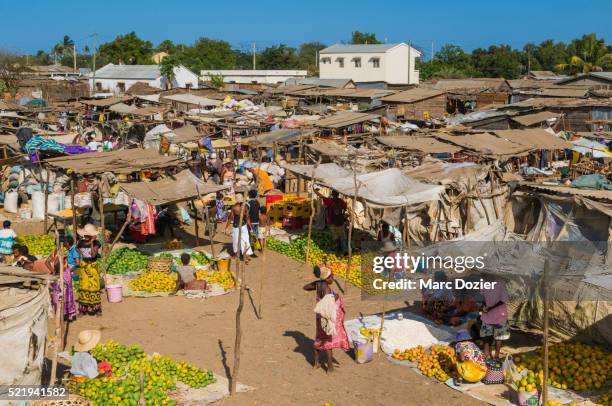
38,24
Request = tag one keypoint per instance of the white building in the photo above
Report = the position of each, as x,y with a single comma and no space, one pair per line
117,79
254,76
368,63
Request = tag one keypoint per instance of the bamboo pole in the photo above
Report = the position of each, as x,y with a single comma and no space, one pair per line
350,230
545,338
197,224
239,277
312,211
103,227
120,233
46,192
209,227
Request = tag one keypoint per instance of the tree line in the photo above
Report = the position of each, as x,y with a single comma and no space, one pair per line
581,55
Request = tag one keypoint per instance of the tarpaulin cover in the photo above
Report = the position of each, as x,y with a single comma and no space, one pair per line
594,148
182,186
386,188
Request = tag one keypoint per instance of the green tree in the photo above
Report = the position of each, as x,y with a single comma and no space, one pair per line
128,49
166,46
244,59
217,81
207,53
547,54
497,62
587,54
307,56
166,68
278,57
11,71
358,37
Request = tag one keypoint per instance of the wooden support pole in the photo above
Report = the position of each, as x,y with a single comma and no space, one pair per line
350,230
46,192
120,233
197,224
545,338
74,221
312,211
59,311
239,279
103,234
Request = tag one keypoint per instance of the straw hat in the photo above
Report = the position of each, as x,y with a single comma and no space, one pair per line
89,230
325,272
87,339
239,198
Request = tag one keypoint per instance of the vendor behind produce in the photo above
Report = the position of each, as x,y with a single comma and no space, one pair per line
186,275
83,363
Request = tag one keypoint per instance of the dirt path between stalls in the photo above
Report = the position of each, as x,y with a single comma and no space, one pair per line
276,350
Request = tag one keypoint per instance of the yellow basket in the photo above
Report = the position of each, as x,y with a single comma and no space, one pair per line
158,264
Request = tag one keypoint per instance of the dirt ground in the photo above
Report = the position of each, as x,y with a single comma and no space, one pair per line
276,354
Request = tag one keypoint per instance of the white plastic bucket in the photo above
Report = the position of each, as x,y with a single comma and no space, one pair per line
10,202
54,202
38,205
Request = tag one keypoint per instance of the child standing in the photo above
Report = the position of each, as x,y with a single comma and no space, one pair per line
7,239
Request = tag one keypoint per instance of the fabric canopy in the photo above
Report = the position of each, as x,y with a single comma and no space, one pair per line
182,186
385,189
594,148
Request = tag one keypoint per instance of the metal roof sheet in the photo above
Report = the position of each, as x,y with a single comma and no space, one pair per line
412,95
535,118
112,71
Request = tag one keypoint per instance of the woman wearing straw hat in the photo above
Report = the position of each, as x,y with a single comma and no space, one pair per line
83,364
90,301
328,337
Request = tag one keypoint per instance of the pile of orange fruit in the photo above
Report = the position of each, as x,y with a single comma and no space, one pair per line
574,365
439,362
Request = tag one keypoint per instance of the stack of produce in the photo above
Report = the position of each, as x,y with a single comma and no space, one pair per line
201,274
154,282
223,278
572,365
37,244
197,258
160,376
174,244
321,252
125,260
605,399
439,362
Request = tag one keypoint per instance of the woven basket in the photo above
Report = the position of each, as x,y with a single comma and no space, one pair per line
73,400
157,264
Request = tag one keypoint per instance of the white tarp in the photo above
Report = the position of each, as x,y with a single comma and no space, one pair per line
585,146
386,188
152,137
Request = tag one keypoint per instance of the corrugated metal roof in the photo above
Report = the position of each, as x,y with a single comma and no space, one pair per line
112,71
319,82
412,95
535,118
358,48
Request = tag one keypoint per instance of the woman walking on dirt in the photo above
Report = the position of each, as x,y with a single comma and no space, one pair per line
330,317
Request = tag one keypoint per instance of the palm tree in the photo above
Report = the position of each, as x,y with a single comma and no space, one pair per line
589,54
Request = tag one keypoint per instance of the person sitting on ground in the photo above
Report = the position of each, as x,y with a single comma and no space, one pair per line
83,363
22,256
438,302
336,209
186,275
471,361
7,239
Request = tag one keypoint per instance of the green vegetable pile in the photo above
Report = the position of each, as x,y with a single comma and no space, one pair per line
197,258
321,248
160,376
37,244
200,257
125,260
